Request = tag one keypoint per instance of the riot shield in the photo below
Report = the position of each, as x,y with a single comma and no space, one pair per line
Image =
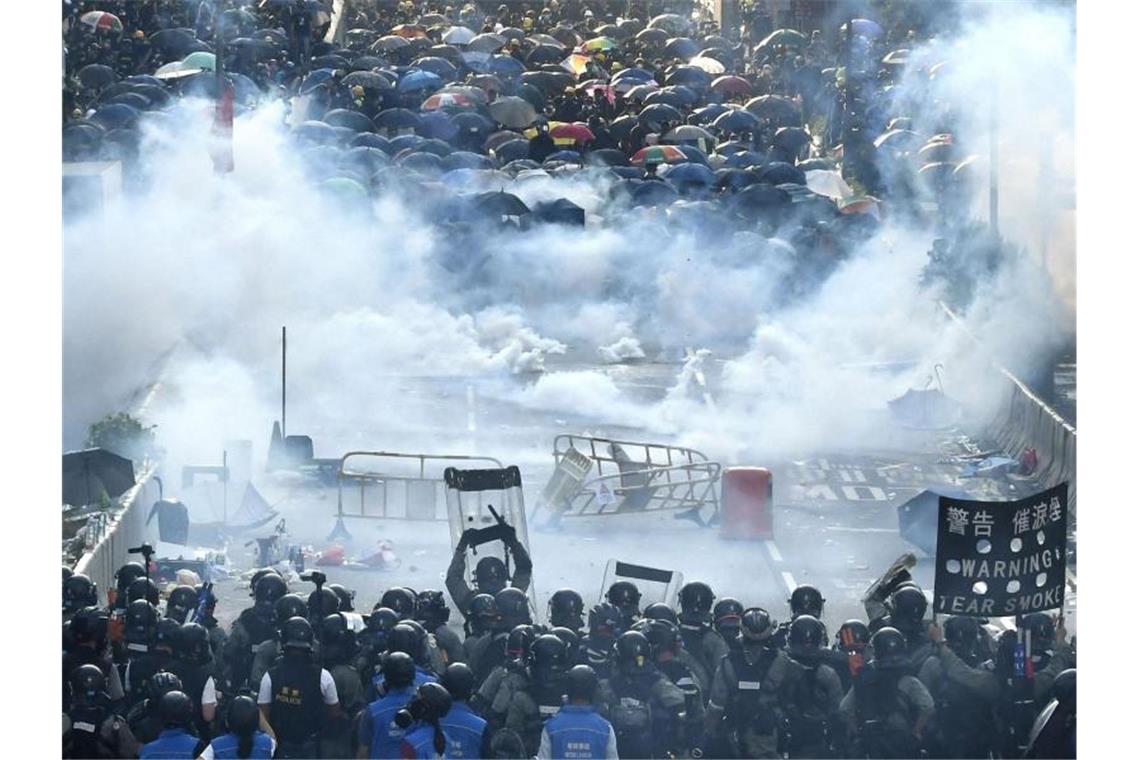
487,500
655,585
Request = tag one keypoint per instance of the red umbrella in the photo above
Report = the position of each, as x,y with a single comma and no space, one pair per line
101,20
575,132
447,100
732,86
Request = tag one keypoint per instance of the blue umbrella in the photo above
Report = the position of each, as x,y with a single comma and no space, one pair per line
419,79
709,113
736,120
694,154
439,66
436,124
745,158
115,115
462,159
779,173
371,140
505,65
565,155
477,62
634,73
654,193
691,173
316,79
403,142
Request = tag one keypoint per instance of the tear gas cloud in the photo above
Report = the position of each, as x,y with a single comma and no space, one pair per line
215,265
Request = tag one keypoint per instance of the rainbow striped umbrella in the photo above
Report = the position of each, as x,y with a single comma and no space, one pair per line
598,44
658,154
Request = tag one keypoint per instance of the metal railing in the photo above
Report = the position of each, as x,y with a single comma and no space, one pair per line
386,495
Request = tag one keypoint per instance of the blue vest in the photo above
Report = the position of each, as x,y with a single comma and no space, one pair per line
578,731
386,735
226,746
421,739
171,744
464,731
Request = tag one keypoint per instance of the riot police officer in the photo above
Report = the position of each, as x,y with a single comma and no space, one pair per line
578,729
344,596
743,701
373,642
496,693
627,598
849,651
908,607
541,697
338,650
143,588
660,611
176,739
701,641
144,718
887,709
1050,652
726,614
433,613
182,601
253,626
91,729
425,736
965,690
266,653
193,666
565,610
1054,732
575,651
513,609
88,646
401,601
379,736
606,624
805,600
298,695
159,655
407,637
667,645
480,618
78,593
490,572
647,711
466,731
809,703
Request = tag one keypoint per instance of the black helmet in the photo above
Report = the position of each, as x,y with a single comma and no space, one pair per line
961,634
243,715
399,670
565,608
890,647
571,637
490,575
88,683
660,611
581,682
513,606
696,599
192,643
549,654
333,628
625,596
727,613
632,652
161,683
270,587
853,636
258,576
755,624
606,621
805,635
89,625
322,602
806,600
408,639
382,619
166,633
181,602
1065,689
297,633
143,588
459,681
401,601
908,606
1040,626
289,606
430,703
343,595
79,592
139,624
431,609
126,575
518,642
176,709
663,636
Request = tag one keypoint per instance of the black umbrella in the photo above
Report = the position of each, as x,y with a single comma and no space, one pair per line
690,76
112,91
90,473
433,145
499,203
560,211
441,67
469,121
330,62
132,99
397,118
423,163
96,75
175,42
657,115
547,81
449,53
512,150
532,95
681,47
367,63
654,193
369,80
369,159
518,165
623,125
734,179
157,96
736,120
775,109
668,97
779,173
652,37
544,54
253,47
759,199
371,140
316,132
791,138
462,159
708,114
354,120
115,115
81,140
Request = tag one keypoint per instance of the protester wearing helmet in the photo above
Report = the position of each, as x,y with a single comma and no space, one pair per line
297,695
646,709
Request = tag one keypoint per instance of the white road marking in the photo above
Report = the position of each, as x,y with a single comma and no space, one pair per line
789,581
774,551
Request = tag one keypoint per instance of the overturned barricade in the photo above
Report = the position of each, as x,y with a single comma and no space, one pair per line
599,476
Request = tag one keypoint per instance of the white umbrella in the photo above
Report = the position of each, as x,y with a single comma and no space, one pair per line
458,35
707,65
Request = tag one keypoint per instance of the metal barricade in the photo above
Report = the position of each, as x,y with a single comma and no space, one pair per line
418,493
629,476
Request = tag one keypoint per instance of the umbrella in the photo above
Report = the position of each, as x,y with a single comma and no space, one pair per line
474,94
253,48
132,99
564,156
417,80
354,120
775,108
101,21
479,62
708,114
598,44
422,163
372,159
498,138
470,121
566,36
658,154
641,91
569,134
929,409
370,140
80,138
512,33
367,63
784,38
937,150
458,35
95,75
389,43
654,193
317,78
623,125
559,211
737,120
681,47
710,66
547,81
744,158
446,100
688,132
640,75
400,146
449,53
607,157
432,145
144,79
90,473
631,25
432,19
545,54
670,22
462,159
397,118
734,179
791,138
689,174
486,43
441,67
864,27
436,124
174,41
667,96
330,62
115,115
779,173
649,37
759,199
657,115
409,31
731,86
688,75
512,111
546,39
498,204
487,83
200,60
532,95
156,95
316,132
512,150
505,65
369,80
687,95
918,517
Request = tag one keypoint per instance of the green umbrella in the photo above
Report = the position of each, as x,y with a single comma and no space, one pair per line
199,60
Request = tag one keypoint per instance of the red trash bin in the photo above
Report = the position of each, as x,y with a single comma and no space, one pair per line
746,503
